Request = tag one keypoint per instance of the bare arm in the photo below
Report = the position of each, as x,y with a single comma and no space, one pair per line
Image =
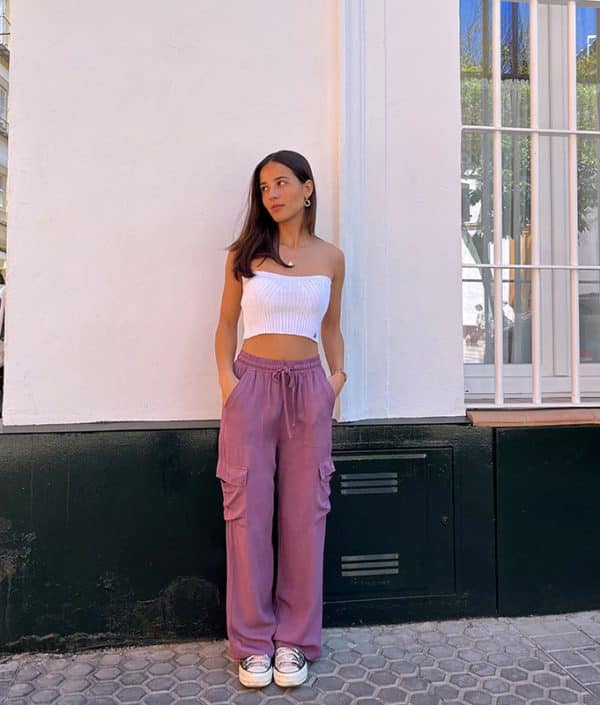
331,334
226,332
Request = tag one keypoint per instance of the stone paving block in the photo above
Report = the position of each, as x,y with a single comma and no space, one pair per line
403,667
19,689
510,700
529,691
585,674
159,699
346,657
217,694
161,683
425,699
218,677
471,655
337,699
105,689
135,664
488,661
330,683
463,680
324,666
349,673
451,665
382,677
546,680
591,653
49,680
360,689
75,699
187,673
433,675
162,668
482,669
249,697
440,651
130,694
392,694
372,661
488,646
74,685
184,690
420,659
562,695
79,669
514,674
214,662
531,664
414,683
478,697
446,692
133,678
47,695
496,686
570,657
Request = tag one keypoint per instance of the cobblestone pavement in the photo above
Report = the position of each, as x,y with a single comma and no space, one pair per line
541,660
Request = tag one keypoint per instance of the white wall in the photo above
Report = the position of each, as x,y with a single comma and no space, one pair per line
134,132
133,136
400,215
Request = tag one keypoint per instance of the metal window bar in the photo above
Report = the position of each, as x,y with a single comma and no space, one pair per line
536,324
571,132
4,29
572,191
497,196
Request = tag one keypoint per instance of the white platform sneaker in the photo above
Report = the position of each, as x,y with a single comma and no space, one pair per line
290,666
255,671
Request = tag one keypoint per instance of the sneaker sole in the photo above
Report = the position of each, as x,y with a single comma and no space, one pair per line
255,680
288,679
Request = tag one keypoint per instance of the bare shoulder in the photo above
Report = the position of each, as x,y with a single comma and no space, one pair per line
331,254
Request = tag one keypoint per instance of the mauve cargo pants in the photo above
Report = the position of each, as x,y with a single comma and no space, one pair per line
276,424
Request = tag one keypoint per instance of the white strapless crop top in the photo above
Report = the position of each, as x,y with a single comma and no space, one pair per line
284,303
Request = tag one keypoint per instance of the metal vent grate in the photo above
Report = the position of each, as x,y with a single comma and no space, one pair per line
370,564
369,483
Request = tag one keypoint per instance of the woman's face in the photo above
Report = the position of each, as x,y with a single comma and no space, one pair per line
282,192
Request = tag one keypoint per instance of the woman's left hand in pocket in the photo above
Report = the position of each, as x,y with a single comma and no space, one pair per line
336,382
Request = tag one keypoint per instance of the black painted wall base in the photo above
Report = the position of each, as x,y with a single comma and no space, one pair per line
115,535
548,528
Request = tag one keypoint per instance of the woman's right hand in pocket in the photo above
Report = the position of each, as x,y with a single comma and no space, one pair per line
227,386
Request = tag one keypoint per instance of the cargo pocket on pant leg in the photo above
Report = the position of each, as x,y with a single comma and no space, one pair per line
233,477
326,470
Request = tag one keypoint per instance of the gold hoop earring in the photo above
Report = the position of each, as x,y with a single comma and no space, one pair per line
307,202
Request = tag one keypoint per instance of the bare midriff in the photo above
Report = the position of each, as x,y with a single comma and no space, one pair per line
279,346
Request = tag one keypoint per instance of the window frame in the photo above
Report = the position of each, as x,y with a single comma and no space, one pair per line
555,305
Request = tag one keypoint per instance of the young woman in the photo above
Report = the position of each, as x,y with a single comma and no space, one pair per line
275,436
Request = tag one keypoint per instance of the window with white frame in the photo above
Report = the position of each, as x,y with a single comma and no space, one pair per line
530,73
2,191
4,23
3,103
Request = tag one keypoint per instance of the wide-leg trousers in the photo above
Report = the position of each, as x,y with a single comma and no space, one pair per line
276,437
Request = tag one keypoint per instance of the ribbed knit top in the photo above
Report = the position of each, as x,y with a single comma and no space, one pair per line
284,303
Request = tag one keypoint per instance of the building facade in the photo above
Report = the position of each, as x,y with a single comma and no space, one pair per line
454,170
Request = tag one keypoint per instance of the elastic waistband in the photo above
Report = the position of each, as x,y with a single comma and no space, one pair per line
269,363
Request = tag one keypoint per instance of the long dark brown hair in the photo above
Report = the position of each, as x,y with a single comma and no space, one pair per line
259,236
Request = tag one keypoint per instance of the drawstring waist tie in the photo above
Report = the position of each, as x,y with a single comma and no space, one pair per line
285,372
